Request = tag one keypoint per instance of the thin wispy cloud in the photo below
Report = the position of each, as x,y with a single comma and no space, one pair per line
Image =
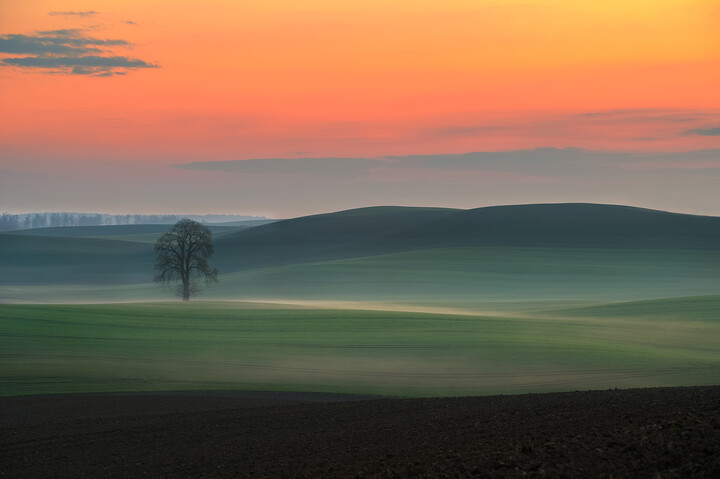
69,51
55,42
73,13
547,163
471,130
644,115
298,166
705,131
665,180
675,165
88,61
627,129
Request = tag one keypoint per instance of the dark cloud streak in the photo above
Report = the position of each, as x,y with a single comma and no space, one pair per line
41,45
705,131
84,61
565,163
297,166
55,42
73,13
68,51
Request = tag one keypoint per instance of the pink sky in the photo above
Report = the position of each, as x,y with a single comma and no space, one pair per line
101,101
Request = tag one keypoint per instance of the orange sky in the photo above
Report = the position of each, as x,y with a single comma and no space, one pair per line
250,79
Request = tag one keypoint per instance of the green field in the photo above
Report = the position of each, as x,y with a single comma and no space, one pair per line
428,301
443,276
234,345
530,252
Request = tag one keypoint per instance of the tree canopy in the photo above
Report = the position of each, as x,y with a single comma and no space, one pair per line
182,258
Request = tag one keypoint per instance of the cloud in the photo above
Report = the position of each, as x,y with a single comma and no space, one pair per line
708,160
45,45
78,70
675,165
465,130
296,166
68,51
76,36
646,115
72,13
55,42
673,181
676,181
705,131
83,61
541,164
540,161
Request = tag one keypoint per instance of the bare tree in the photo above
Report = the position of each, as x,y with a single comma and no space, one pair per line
182,255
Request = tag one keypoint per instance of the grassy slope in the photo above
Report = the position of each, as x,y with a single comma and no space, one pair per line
373,231
39,260
518,252
694,308
378,254
53,348
75,255
486,274
565,225
345,234
440,276
88,255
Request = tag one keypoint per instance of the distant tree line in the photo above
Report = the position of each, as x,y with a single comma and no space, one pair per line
10,222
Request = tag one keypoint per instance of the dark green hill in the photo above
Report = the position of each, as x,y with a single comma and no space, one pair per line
28,260
566,225
345,234
242,223
101,254
382,230
563,245
453,276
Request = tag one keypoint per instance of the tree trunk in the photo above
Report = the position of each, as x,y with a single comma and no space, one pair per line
186,290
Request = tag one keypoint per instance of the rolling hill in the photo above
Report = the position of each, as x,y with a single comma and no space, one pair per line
345,234
453,276
553,251
381,230
40,260
566,225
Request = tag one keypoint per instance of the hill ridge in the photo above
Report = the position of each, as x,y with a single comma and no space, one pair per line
506,251
380,230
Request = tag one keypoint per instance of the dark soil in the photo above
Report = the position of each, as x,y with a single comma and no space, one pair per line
667,432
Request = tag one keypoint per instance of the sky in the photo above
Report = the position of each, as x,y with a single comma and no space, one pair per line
284,108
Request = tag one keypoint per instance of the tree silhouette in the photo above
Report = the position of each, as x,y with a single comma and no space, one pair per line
181,257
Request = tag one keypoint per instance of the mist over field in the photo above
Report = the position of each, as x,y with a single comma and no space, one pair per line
383,300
